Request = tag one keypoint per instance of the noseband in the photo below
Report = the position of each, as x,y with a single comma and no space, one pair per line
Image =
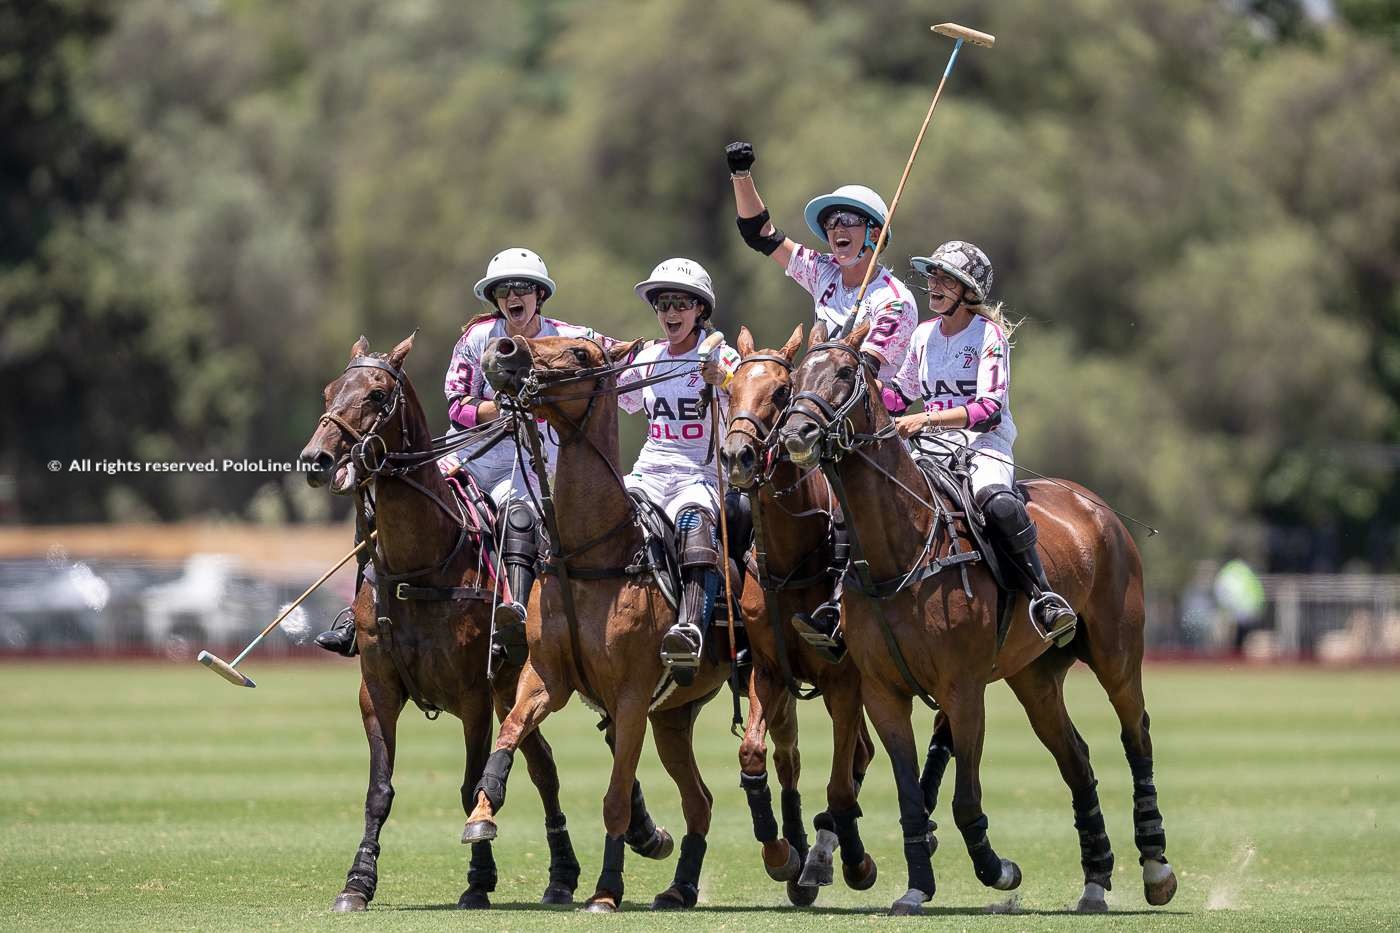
369,451
761,434
838,435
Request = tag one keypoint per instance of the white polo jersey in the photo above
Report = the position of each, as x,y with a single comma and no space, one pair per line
678,429
950,372
888,305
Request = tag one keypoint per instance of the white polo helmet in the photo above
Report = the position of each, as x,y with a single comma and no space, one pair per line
680,274
962,260
866,200
514,263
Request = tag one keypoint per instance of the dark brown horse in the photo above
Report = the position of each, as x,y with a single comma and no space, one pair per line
612,658
917,631
424,635
792,514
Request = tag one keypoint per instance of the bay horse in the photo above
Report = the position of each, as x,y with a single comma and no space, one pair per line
792,514
424,635
921,621
601,618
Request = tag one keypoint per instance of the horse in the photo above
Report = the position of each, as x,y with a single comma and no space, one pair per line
921,621
601,618
423,625
792,514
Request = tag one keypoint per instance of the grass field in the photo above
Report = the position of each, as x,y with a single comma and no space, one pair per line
156,796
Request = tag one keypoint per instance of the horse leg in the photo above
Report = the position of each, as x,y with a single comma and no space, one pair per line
539,760
380,705
766,695
890,713
630,726
1040,688
1125,692
787,761
481,874
857,866
967,718
673,731
940,749
643,836
532,701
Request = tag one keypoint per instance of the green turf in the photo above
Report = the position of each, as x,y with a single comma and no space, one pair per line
159,797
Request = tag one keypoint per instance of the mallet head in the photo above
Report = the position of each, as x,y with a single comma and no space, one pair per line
225,670
954,31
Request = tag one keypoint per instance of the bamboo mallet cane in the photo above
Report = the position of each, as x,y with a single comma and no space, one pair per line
706,348
960,33
229,671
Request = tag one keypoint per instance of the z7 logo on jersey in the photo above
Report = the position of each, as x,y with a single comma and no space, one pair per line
969,356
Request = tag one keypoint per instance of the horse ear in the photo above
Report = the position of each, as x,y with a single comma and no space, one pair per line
745,343
396,356
361,347
856,339
789,349
818,335
622,351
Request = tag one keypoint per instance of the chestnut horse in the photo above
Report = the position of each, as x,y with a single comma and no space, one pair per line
917,626
792,514
425,634
612,656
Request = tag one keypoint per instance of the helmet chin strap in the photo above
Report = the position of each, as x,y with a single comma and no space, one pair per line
869,244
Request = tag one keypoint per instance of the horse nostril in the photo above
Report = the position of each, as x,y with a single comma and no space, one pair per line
746,458
318,460
505,348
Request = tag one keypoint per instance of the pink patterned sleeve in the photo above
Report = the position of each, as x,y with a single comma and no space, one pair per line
804,268
906,380
464,376
994,369
891,331
631,402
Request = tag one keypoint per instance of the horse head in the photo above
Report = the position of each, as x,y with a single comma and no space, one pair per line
826,410
352,437
558,378
760,390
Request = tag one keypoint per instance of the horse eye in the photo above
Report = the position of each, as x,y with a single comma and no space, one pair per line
581,355
781,395
846,372
377,396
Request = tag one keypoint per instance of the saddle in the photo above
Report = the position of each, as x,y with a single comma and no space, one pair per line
660,554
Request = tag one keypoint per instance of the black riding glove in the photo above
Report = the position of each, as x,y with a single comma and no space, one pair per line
739,156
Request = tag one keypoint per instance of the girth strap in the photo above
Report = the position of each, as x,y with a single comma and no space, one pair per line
384,626
441,593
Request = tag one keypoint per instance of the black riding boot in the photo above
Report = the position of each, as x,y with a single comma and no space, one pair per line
340,637
1007,517
821,628
683,642
521,549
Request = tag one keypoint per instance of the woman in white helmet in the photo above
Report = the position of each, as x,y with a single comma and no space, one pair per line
959,368
848,222
515,288
671,469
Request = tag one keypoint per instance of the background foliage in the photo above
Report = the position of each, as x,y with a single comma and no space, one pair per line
1195,205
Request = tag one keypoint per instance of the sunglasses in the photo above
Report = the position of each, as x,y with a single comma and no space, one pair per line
518,287
943,282
676,302
844,219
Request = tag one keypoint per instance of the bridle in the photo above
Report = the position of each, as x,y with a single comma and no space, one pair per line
762,436
837,432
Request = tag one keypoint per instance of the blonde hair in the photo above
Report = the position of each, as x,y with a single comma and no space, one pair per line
995,311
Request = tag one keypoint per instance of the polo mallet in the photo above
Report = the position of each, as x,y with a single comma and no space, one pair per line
229,671
962,34
706,348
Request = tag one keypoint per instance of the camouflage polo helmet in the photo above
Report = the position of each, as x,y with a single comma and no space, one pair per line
965,262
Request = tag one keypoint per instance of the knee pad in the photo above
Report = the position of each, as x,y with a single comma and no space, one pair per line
1007,514
739,516
521,531
696,529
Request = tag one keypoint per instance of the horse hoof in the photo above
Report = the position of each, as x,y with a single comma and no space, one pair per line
799,896
1158,883
350,902
860,877
480,831
790,869
601,904
1092,905
558,894
910,905
658,847
676,897
819,872
1010,878
473,900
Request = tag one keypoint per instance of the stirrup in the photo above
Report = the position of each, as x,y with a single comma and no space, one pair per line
680,652
1063,622
508,632
340,637
827,645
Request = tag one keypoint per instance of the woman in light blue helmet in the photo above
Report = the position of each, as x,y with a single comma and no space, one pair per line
847,222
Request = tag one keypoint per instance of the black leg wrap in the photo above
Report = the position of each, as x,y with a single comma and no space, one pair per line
563,864
1095,853
1148,832
794,830
494,777
765,827
848,834
610,878
986,864
641,831
363,876
481,873
934,766
917,854
687,880
824,820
